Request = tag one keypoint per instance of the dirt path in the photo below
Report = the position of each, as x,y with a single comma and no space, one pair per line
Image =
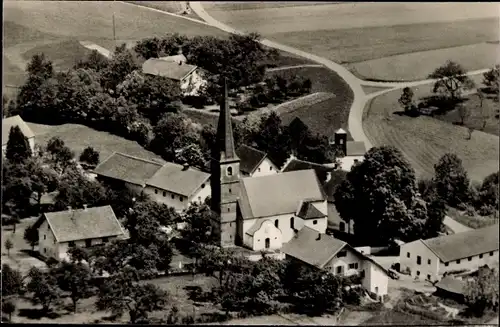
92,46
292,67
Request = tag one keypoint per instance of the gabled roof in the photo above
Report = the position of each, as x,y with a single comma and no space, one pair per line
355,148
466,244
452,285
82,224
175,58
127,168
297,164
250,158
168,69
308,210
278,194
174,178
340,131
312,247
7,123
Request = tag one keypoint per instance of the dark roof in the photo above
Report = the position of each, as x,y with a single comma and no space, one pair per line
297,164
336,178
278,194
224,143
334,218
82,224
174,178
355,148
7,123
466,244
127,168
168,69
309,211
250,158
452,285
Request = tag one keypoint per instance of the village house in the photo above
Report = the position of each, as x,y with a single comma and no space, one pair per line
254,162
10,122
188,77
264,212
351,152
430,259
62,230
337,257
175,185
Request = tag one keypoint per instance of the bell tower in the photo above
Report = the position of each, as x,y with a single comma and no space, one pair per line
225,176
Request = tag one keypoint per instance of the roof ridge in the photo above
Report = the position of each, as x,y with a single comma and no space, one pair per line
137,158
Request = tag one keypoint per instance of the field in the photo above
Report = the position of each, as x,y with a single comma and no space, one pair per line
418,65
423,140
175,7
352,32
394,317
78,137
475,221
326,116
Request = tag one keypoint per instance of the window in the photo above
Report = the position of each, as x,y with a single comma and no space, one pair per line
342,254
418,273
315,222
341,141
458,261
182,199
342,226
71,244
480,256
376,289
407,254
470,258
88,243
44,250
428,277
353,265
276,223
202,185
230,237
228,209
339,269
491,253
229,171
229,190
258,169
291,223
44,237
164,193
356,160
105,240
156,191
270,168
446,264
268,243
428,261
419,260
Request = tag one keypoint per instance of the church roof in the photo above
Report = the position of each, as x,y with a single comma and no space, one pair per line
297,164
278,194
224,140
250,158
309,211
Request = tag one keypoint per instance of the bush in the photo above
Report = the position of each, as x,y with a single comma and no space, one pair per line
486,210
470,211
89,156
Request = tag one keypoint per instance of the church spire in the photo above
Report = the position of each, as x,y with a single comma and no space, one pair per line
225,138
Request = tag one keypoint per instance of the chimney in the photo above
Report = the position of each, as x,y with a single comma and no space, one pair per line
84,207
69,208
185,167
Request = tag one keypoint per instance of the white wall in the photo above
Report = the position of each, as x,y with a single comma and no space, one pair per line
47,245
265,168
192,83
474,263
177,201
375,280
417,248
64,246
347,162
344,262
267,230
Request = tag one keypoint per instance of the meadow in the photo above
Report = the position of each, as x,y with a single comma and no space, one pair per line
418,65
423,140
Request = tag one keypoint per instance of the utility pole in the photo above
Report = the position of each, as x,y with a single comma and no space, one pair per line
114,27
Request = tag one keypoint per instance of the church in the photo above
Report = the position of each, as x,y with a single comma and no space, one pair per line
260,212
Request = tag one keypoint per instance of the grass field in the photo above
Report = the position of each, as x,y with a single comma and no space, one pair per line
175,7
424,140
418,65
396,317
78,137
240,5
475,221
326,116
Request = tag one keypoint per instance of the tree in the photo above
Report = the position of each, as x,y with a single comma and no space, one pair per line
489,193
12,281
8,307
482,292
61,155
492,80
436,211
31,236
18,148
74,278
380,196
44,288
121,64
451,180
406,100
122,293
8,245
451,78
90,156
463,112
191,155
273,139
94,60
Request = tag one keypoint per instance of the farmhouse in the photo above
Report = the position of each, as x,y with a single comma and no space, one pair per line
188,77
430,259
351,152
254,162
261,212
337,257
62,230
174,185
10,122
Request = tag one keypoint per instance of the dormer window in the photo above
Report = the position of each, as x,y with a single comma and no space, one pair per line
229,171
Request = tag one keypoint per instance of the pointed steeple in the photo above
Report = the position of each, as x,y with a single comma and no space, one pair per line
225,139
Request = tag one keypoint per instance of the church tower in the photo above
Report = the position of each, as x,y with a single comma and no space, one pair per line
225,176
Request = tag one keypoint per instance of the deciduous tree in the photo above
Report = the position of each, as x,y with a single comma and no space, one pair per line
90,156
451,79
8,245
8,307
492,80
44,288
406,100
12,281
451,180
74,278
482,292
31,236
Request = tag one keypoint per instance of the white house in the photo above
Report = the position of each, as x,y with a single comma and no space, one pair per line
10,122
62,230
272,208
337,257
254,162
174,185
430,259
351,152
188,77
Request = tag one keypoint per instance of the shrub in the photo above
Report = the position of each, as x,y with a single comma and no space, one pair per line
89,156
470,211
486,210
